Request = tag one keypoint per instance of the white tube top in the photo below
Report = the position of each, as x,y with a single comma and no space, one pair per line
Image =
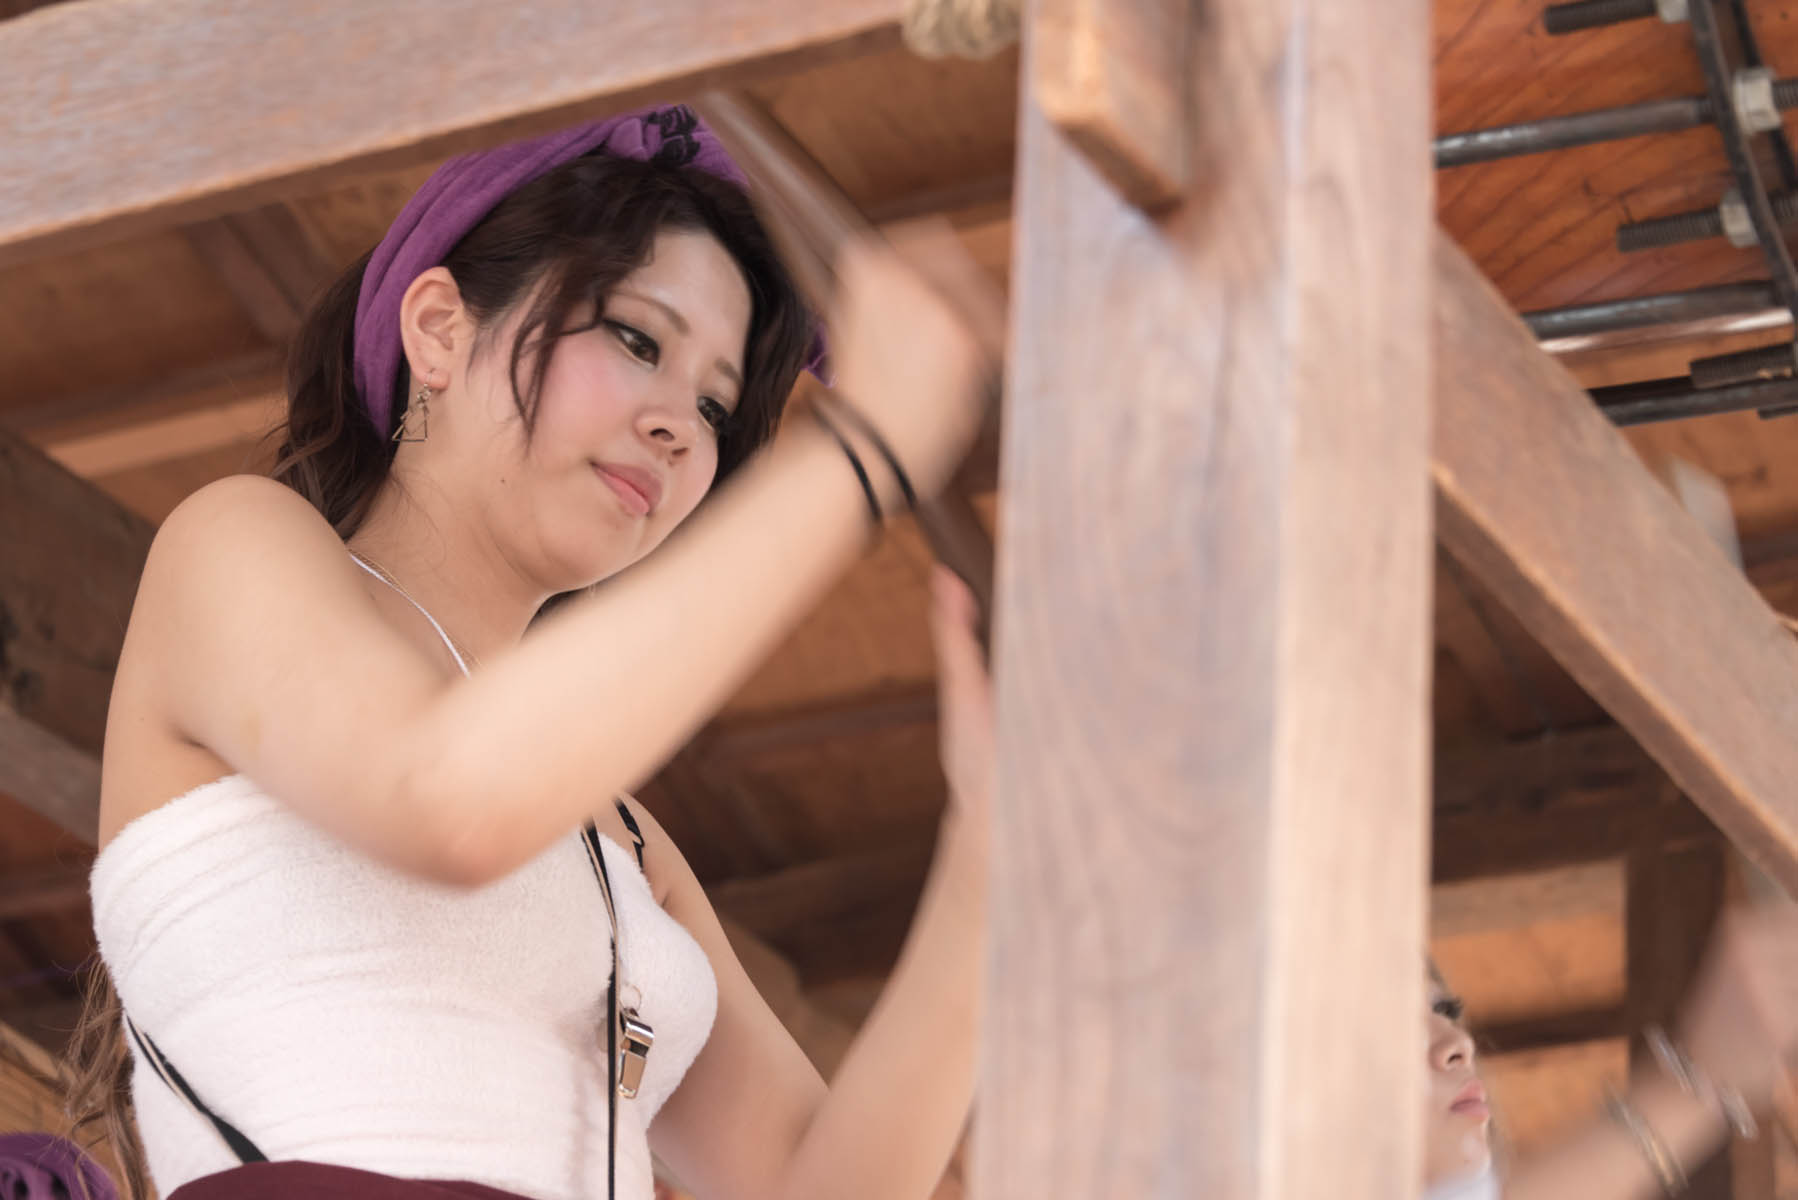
338,1011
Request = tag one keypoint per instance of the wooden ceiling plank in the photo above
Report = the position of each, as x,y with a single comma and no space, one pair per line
1605,568
316,90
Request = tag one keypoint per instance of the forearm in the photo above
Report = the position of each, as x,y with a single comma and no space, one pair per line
597,698
901,1096
1606,1162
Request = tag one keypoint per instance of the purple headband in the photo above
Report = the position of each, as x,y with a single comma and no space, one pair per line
465,189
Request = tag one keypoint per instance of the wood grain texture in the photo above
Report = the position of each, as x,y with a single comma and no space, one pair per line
1113,78
1606,569
1212,646
338,85
1673,900
67,579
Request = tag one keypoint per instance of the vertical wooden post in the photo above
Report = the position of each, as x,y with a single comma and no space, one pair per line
1672,898
1207,967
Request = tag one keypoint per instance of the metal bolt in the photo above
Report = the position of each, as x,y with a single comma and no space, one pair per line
1738,226
1729,219
1669,231
1590,14
1745,366
1755,99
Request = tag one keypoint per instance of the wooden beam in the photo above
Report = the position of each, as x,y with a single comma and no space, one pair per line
33,891
1567,893
67,581
1552,1031
319,90
265,260
1212,638
1674,899
1114,79
1572,798
840,917
1606,569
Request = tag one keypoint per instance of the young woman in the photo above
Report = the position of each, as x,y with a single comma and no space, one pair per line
1740,1027
343,891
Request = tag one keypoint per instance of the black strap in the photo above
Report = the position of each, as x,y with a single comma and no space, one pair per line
630,823
855,460
246,1150
865,427
596,856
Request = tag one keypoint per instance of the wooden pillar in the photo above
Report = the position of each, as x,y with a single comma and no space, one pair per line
1212,644
1671,900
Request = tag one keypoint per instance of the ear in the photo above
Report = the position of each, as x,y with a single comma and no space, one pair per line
435,326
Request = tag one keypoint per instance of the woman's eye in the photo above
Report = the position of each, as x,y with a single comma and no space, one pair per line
1450,1008
640,344
714,414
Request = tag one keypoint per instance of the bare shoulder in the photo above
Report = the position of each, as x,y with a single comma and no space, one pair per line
243,553
241,517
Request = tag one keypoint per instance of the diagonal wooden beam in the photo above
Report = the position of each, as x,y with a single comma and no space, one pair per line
1544,500
338,86
34,891
68,575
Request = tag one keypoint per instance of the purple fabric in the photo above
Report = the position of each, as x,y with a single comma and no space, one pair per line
42,1166
321,1181
467,188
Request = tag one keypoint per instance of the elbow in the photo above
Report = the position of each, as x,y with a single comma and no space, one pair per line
447,828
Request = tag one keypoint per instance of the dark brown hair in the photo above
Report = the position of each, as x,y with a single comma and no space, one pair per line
557,246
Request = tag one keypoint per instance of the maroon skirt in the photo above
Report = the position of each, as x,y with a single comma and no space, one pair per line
318,1181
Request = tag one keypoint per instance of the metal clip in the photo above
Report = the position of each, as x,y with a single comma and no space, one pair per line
636,1037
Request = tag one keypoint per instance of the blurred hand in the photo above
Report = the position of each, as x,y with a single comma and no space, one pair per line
964,703
1741,1020
915,331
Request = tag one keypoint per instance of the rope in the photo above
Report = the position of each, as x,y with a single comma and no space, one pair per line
960,28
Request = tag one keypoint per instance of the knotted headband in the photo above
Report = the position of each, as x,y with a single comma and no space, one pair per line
465,189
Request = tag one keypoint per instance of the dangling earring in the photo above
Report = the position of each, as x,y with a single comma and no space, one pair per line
420,408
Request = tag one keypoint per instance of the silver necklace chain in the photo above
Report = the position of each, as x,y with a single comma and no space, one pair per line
464,658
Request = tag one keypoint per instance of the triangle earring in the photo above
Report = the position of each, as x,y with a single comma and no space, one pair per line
420,408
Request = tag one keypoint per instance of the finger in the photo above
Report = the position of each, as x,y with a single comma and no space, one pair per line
961,663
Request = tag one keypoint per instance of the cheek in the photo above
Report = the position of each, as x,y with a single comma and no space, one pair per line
588,390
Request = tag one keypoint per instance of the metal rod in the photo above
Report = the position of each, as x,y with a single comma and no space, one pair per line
1590,14
1673,399
1589,128
1693,226
1575,129
1719,46
1744,366
1643,312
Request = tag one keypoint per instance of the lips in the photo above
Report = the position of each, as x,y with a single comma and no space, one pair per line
1470,1101
639,490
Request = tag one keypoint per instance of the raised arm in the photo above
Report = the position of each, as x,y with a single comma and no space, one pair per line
254,639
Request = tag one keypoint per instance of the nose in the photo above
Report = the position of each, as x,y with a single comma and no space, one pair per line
670,425
1451,1046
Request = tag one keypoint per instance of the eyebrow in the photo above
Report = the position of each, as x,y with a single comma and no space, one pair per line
679,322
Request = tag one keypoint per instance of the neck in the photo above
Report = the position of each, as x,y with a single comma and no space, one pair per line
451,567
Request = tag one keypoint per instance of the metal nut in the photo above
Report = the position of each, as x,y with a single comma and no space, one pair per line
1752,90
1673,11
1738,226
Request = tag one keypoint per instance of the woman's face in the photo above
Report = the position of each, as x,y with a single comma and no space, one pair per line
1456,1117
626,438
